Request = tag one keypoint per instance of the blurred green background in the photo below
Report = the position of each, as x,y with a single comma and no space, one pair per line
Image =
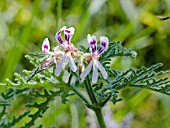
25,23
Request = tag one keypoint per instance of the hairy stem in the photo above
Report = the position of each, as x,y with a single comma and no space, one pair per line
90,91
95,105
76,91
81,96
100,118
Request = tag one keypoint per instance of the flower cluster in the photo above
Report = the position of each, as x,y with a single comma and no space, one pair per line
71,54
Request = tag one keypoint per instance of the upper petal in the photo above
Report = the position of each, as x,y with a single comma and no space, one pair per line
92,43
86,70
101,68
104,42
46,46
59,66
59,39
68,33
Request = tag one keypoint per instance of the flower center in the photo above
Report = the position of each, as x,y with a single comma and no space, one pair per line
89,57
72,50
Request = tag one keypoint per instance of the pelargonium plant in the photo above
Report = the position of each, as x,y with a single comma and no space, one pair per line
71,70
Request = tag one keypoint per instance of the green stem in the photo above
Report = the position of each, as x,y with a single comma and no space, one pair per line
90,91
81,96
100,118
69,79
96,107
3,112
76,90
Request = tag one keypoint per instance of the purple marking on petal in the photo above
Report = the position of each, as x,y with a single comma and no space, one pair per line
93,49
92,43
102,47
67,37
60,40
100,51
58,35
104,42
45,46
68,31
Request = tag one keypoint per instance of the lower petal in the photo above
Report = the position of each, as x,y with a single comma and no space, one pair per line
60,66
95,74
86,71
72,63
46,63
101,68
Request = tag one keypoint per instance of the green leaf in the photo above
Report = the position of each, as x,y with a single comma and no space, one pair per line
116,49
144,78
4,103
15,119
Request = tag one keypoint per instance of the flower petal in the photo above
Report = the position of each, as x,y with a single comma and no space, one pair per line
60,66
101,68
56,49
46,63
95,74
59,39
72,63
92,43
86,70
46,46
104,42
68,33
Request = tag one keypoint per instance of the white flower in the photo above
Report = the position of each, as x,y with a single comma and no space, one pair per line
94,56
54,55
70,50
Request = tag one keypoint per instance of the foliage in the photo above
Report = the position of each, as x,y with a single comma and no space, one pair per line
44,84
24,24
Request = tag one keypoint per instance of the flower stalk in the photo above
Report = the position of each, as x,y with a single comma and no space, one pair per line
100,118
90,91
95,105
76,91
